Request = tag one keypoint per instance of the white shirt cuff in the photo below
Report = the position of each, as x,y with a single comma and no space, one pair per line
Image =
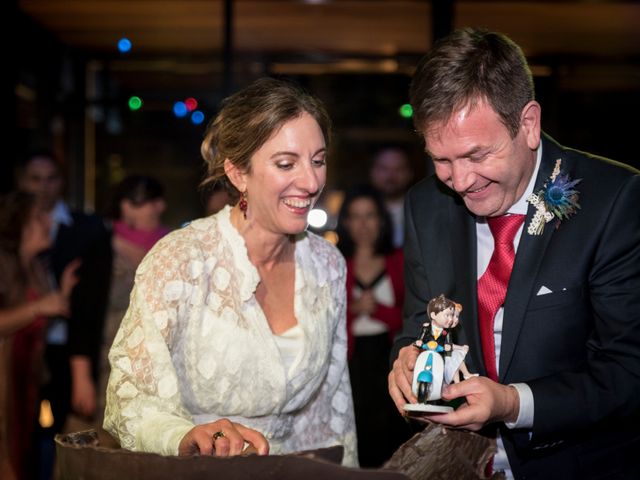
525,415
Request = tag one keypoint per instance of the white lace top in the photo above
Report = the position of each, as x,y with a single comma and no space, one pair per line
195,346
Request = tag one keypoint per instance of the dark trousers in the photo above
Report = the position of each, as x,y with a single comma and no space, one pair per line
380,428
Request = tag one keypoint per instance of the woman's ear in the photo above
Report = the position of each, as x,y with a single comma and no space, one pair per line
235,175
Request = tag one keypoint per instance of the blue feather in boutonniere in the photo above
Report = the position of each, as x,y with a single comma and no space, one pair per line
558,198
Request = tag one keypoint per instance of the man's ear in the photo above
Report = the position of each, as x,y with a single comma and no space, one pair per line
530,123
235,175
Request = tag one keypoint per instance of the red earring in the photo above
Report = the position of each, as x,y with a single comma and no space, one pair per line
243,204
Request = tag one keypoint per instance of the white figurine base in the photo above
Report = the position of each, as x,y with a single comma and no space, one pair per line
426,408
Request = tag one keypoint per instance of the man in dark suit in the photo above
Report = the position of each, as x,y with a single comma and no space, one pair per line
564,339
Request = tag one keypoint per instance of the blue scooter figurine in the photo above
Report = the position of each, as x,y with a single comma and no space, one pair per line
440,361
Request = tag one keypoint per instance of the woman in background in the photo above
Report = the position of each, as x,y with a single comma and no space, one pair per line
136,212
375,293
25,302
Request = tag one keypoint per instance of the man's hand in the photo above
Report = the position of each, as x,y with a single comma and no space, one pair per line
487,402
401,377
222,438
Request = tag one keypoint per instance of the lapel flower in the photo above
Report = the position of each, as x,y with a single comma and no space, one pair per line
556,199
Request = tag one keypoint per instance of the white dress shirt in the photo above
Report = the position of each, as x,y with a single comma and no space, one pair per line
485,250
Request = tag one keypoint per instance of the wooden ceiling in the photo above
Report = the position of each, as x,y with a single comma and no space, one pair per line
316,36
375,27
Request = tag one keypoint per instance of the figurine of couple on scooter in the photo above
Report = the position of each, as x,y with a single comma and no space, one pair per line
440,361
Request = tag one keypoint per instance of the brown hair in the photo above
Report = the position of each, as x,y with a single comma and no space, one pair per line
249,118
439,304
15,214
467,66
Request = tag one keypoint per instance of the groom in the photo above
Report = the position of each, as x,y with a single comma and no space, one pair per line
541,245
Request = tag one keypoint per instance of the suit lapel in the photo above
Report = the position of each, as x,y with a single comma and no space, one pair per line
531,250
464,252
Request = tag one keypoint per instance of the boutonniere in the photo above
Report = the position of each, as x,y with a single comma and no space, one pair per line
556,199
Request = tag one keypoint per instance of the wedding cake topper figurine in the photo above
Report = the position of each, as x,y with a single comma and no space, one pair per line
441,361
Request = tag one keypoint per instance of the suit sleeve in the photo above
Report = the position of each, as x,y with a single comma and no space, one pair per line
606,387
91,294
417,290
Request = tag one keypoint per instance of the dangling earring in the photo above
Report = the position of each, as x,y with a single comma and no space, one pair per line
243,204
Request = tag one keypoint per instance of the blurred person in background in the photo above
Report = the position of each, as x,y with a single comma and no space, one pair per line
391,174
73,343
375,292
25,303
216,197
136,213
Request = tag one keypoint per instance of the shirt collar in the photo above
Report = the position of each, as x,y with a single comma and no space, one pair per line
521,206
60,215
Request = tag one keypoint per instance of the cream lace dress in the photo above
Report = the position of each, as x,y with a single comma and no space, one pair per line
195,346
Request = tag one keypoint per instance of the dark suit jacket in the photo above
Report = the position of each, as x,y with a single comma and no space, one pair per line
578,348
88,239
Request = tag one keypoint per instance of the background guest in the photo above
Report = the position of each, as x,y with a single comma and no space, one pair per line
375,292
73,343
391,174
25,304
216,197
136,211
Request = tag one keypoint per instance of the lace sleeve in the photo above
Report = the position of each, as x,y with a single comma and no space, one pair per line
144,407
329,419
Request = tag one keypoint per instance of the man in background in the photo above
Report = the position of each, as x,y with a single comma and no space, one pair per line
391,174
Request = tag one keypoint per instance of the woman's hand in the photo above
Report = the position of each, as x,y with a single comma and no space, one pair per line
365,305
69,278
229,440
52,305
57,302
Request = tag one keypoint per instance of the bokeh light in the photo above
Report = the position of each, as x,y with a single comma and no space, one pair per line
317,218
197,117
180,109
406,111
124,45
191,104
135,103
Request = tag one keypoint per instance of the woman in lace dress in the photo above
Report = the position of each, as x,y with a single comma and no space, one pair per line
236,334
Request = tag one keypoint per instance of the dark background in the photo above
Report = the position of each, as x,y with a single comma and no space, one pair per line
67,87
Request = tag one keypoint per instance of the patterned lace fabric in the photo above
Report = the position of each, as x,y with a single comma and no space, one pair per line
195,346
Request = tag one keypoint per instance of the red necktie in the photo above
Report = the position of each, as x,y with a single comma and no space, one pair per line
492,285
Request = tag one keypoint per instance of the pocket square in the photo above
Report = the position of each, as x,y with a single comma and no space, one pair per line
543,291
